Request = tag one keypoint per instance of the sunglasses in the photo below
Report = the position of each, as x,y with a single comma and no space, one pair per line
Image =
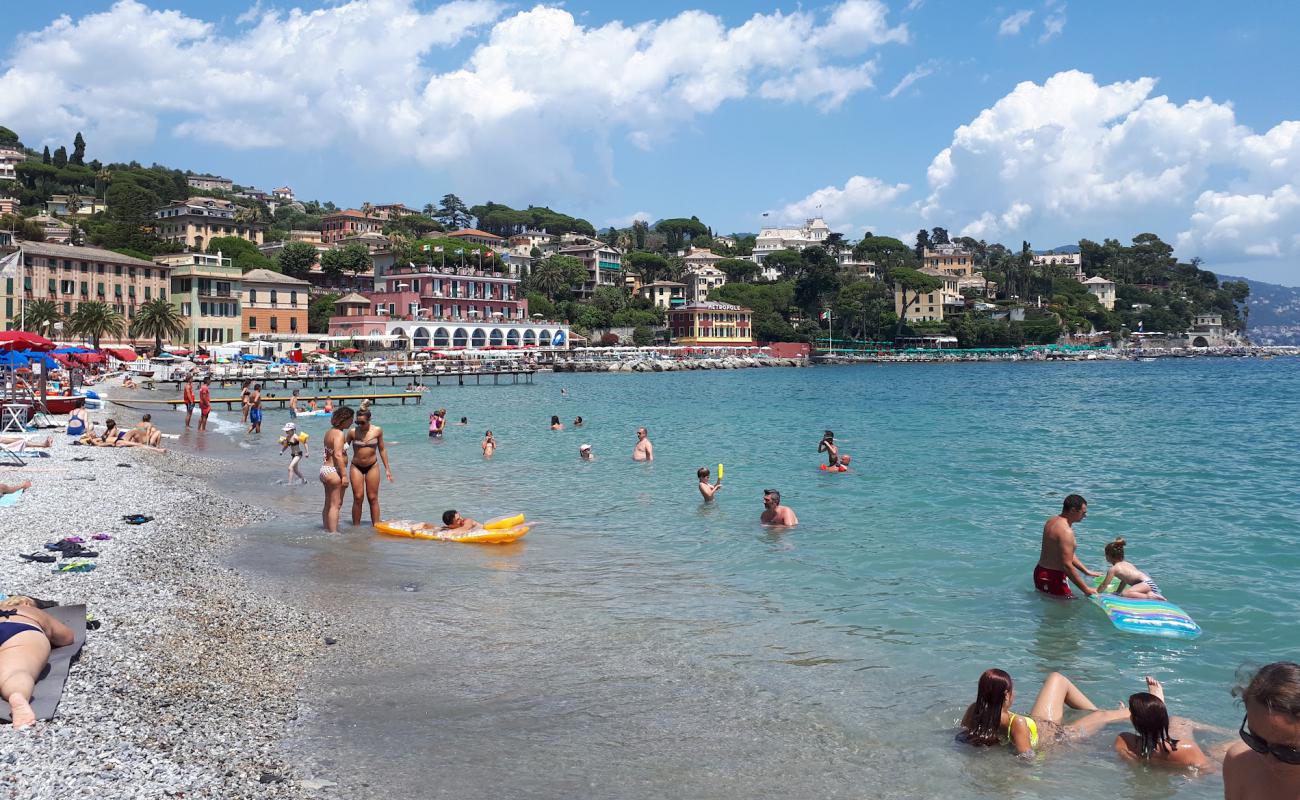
1287,755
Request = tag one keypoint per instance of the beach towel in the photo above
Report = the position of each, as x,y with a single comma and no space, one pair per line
49,688
11,499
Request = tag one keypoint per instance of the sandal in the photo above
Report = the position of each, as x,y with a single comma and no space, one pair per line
44,558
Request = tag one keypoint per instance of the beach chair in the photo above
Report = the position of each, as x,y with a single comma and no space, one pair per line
11,456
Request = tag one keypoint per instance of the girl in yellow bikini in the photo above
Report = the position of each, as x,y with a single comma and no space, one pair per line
990,721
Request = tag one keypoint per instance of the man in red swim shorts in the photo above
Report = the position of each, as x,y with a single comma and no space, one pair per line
1058,563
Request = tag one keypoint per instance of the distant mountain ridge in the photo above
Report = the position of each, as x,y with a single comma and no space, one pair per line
1274,312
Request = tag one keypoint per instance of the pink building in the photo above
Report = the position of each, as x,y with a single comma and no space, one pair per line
348,223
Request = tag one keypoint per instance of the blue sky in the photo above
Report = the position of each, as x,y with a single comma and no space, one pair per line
405,100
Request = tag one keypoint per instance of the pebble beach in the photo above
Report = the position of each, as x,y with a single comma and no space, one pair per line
191,682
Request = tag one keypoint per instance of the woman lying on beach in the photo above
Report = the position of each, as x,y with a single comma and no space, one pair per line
1153,743
335,468
367,448
990,721
26,636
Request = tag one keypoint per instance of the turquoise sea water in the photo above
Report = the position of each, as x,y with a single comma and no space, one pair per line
639,643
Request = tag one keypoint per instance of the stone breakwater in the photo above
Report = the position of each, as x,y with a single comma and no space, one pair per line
655,365
191,683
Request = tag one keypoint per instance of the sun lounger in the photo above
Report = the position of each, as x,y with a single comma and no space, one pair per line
49,689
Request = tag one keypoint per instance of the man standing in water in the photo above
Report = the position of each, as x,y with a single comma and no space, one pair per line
1058,560
644,451
255,409
187,396
774,513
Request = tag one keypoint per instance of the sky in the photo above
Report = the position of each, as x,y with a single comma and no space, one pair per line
1045,121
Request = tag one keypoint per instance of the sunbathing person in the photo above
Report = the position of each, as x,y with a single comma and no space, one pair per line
17,487
19,443
145,432
26,636
453,522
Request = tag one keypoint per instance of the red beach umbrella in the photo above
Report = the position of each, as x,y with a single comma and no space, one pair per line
22,340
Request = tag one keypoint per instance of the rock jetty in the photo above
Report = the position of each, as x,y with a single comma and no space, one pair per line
683,365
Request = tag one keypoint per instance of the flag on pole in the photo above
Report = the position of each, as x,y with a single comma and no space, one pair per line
426,247
438,249
826,315
9,264
490,254
460,251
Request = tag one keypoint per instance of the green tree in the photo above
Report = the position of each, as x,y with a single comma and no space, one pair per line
78,150
453,212
8,138
60,157
38,316
45,155
639,230
650,266
351,259
539,304
296,259
679,231
241,252
610,299
922,243
916,282
556,274
95,320
788,263
738,270
886,252
642,336
158,319
319,312
818,279
939,236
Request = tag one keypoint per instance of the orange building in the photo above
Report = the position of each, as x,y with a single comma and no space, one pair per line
711,323
273,303
69,276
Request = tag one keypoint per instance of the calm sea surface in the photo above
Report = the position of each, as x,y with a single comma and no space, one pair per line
640,644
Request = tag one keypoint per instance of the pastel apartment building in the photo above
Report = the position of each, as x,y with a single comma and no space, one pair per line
932,305
198,220
344,224
712,323
273,303
10,158
69,276
604,264
951,259
205,288
210,182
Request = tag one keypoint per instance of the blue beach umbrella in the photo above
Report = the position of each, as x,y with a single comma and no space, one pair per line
12,358
67,350
39,357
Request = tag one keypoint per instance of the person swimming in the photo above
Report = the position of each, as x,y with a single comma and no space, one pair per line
489,444
707,490
990,721
827,446
556,425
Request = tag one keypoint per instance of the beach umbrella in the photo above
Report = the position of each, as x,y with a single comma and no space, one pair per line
22,340
41,357
349,350
68,350
12,358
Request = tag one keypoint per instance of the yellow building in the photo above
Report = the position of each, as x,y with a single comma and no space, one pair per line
930,307
711,323
950,258
198,220
206,290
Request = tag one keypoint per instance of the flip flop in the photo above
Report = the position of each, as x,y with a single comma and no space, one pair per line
41,557
73,539
101,537
82,552
137,519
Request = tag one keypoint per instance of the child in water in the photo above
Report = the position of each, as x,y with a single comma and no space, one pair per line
1139,584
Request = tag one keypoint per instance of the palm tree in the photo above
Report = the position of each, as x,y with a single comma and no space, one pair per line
548,277
39,315
74,204
159,319
94,320
367,208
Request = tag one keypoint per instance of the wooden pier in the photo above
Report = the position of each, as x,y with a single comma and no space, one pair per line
282,402
325,382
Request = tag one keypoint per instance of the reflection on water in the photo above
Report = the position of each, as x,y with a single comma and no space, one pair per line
639,643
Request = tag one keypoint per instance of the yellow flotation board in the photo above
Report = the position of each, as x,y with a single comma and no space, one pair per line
484,535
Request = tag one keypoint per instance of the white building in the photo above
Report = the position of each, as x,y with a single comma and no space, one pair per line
702,280
209,182
813,232
1103,290
1071,261
10,158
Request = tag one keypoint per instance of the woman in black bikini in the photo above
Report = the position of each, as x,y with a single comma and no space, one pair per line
26,636
367,440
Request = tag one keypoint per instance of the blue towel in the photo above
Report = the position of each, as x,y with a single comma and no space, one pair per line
11,499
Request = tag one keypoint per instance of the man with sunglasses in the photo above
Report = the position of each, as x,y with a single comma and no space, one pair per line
774,513
1265,764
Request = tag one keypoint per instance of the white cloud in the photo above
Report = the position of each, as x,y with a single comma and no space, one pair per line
913,5
919,72
1054,22
363,76
626,222
1071,154
1013,24
840,205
